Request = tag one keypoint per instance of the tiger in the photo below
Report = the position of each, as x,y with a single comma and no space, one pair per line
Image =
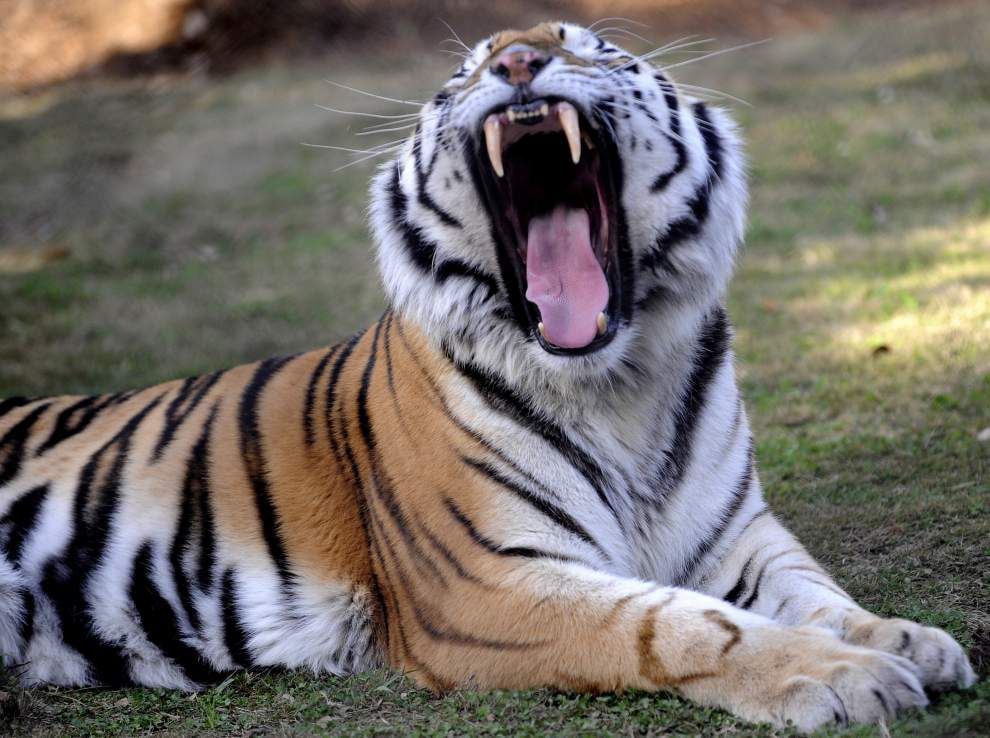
535,470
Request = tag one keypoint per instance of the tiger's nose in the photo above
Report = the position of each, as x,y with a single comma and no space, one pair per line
519,63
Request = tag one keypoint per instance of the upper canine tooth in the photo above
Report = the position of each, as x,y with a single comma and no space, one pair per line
510,114
602,324
544,110
493,142
572,129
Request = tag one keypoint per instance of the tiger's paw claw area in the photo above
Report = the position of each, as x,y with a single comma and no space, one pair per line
810,679
941,662
868,689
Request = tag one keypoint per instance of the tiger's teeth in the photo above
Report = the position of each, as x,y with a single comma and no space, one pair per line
541,329
572,129
602,324
493,142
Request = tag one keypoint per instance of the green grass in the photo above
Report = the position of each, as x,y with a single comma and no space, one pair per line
200,234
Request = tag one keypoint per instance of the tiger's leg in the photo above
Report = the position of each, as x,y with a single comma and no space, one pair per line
770,573
551,623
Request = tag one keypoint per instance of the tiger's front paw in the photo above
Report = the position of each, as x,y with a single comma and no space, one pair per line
809,678
941,661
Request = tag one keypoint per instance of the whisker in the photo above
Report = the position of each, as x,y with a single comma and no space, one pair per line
382,149
355,162
399,124
715,53
456,37
415,103
366,115
678,45
616,18
385,130
605,32
716,93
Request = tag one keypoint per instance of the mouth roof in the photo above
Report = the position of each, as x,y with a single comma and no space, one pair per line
550,198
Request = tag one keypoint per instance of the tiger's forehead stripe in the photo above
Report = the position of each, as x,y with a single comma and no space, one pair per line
543,37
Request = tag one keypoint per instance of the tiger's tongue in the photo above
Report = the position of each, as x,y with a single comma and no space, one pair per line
564,278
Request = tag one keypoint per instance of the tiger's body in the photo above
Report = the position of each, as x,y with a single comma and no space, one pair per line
459,492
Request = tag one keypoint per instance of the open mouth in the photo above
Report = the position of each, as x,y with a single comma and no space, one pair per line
550,190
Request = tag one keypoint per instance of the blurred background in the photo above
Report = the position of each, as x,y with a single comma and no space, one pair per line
160,216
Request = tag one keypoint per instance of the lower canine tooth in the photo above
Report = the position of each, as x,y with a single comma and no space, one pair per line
541,329
493,142
602,324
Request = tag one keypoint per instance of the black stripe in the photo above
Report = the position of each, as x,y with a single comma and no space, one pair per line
460,424
76,418
424,614
360,498
422,176
14,441
444,551
64,578
389,371
690,225
713,143
194,503
713,344
19,521
503,399
420,251
674,137
739,495
207,542
733,595
160,624
64,427
763,570
456,268
491,546
680,162
234,636
556,514
190,394
338,367
252,454
28,608
12,403
309,422
364,419
382,485
756,587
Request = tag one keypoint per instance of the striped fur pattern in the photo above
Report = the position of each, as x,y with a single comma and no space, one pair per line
441,495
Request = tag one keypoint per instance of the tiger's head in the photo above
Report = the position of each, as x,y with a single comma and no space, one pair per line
562,211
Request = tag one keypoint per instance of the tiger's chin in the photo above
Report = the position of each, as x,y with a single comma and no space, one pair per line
550,182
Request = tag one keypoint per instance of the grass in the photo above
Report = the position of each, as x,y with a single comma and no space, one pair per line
177,226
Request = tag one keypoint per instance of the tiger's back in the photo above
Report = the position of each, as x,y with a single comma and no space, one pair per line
212,521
